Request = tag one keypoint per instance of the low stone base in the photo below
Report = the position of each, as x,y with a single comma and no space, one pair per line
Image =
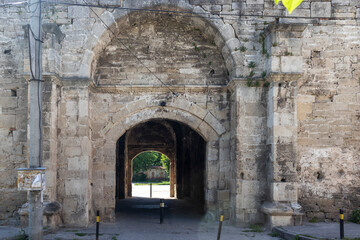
282,214
51,215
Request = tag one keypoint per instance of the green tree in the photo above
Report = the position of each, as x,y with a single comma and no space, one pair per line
145,160
165,163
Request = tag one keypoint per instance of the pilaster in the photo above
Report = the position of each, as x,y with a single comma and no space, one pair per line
284,65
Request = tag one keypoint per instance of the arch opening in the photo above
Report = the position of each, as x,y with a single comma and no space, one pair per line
185,148
151,167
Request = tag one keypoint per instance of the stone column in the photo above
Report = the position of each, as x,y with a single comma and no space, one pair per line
172,174
74,159
285,67
282,208
51,89
248,151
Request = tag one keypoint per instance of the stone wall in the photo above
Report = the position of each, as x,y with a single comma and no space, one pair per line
235,73
329,120
110,107
249,152
13,109
74,167
182,56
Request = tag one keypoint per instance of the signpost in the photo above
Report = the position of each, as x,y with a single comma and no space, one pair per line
33,178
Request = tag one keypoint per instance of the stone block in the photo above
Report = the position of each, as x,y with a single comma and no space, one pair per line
78,163
255,109
233,43
8,102
249,194
223,195
78,12
321,9
109,178
73,151
276,221
284,119
291,64
275,64
227,32
283,131
197,111
71,108
283,192
214,123
303,109
200,2
7,121
254,2
305,98
83,108
76,187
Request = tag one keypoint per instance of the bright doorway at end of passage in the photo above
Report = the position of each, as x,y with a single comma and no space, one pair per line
151,175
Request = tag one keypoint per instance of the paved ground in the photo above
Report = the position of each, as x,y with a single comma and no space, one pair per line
9,232
138,218
323,230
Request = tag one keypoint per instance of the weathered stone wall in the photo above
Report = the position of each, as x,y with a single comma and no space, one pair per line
109,109
320,59
329,119
249,152
74,167
180,56
13,109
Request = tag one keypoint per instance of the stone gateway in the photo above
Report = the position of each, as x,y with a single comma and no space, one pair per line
258,110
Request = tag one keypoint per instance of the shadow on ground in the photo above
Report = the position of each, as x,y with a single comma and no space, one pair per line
139,218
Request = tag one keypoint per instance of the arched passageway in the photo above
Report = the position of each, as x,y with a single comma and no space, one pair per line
128,103
185,149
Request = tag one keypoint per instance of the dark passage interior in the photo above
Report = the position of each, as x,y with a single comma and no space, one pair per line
184,147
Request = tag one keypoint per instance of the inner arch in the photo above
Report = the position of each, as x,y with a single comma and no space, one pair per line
184,147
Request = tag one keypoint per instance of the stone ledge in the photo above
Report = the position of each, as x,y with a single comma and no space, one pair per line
284,27
282,214
277,209
51,214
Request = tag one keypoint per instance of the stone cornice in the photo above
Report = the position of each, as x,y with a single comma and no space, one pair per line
283,77
285,27
155,88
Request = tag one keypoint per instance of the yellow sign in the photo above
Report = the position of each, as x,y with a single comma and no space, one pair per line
290,4
341,216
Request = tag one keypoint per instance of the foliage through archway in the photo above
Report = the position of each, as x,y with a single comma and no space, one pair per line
145,160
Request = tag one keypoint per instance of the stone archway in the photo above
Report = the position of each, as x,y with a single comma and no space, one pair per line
148,136
222,33
105,199
123,95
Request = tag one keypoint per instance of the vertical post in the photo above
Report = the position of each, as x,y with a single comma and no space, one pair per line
35,122
220,226
341,224
97,224
162,211
150,190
